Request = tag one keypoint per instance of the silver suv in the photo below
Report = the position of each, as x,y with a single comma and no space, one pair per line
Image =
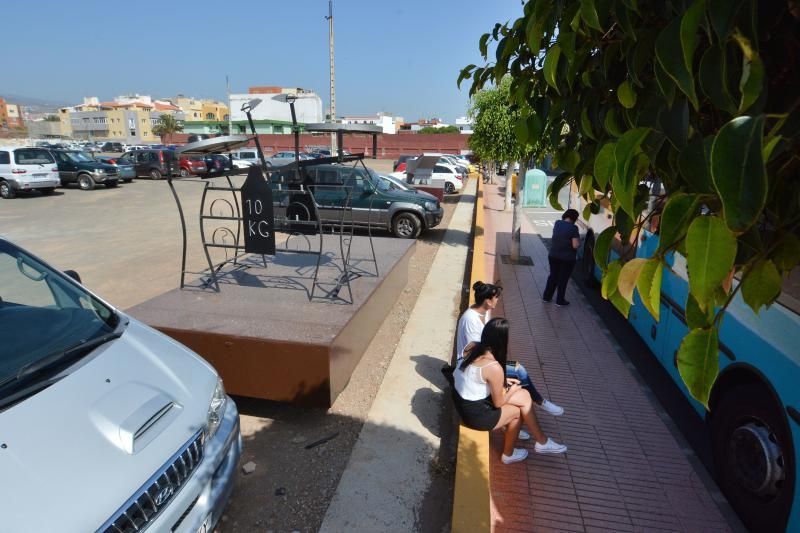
106,424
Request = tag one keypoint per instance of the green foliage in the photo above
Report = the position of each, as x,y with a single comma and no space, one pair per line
167,125
494,122
431,130
700,96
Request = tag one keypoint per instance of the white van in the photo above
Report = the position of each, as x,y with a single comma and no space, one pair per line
245,157
27,169
106,425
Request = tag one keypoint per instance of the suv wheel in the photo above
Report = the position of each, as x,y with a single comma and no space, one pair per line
85,182
155,174
6,191
406,226
449,188
184,173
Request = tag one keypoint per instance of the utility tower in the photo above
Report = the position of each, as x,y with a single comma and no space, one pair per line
332,75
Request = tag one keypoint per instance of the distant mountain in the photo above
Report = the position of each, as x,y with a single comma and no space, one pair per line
35,104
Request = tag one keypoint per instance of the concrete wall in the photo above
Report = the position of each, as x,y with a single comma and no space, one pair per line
389,146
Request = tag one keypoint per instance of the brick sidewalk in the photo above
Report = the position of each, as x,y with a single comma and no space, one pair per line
624,470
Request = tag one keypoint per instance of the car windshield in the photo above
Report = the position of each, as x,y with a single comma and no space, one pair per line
80,157
43,316
32,156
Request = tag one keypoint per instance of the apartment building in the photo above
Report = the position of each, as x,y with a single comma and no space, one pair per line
10,115
388,122
200,110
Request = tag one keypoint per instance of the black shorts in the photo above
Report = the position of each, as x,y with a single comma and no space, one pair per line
480,415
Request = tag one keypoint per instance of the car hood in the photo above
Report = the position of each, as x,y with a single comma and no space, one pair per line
414,196
66,458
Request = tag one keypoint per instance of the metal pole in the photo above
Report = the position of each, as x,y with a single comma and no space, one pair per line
332,75
296,132
230,114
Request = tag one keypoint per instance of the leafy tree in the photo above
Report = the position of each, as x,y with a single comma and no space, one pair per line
701,96
434,130
167,125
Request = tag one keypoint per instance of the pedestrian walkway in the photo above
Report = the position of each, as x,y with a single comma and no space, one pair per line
625,470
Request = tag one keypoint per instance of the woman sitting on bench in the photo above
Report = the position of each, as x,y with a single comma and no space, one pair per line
487,400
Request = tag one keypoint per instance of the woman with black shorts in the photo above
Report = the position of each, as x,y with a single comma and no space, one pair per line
487,400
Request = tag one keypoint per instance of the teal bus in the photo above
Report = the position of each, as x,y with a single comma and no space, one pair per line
754,408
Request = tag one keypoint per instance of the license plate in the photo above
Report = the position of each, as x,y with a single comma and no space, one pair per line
41,176
205,527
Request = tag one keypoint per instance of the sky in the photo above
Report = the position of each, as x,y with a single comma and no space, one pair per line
400,56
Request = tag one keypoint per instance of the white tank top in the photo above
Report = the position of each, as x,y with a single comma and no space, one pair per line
470,384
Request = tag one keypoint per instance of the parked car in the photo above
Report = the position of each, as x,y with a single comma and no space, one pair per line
83,169
217,164
27,169
398,183
192,164
154,164
97,407
198,137
92,148
245,157
285,158
125,170
112,147
375,204
453,179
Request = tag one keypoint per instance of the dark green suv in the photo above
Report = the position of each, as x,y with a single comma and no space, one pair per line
81,168
374,203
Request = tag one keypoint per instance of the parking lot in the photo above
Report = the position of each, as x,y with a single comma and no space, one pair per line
125,243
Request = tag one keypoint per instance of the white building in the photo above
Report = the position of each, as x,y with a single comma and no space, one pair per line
308,107
388,122
464,124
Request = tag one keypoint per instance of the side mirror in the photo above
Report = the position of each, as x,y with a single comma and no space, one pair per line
74,275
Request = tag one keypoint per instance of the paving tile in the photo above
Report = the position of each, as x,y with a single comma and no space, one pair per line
624,470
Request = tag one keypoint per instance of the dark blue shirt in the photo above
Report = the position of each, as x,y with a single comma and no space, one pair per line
561,246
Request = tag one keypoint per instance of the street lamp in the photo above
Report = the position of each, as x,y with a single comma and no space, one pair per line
291,99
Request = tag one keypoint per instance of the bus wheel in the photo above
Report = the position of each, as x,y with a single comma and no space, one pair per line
587,262
754,456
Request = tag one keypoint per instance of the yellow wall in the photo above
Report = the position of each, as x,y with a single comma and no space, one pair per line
217,109
116,124
192,109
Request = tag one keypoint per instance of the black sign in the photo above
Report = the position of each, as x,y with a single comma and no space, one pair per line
259,220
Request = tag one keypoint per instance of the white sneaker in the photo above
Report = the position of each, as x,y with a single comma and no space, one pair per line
519,455
552,408
524,435
550,446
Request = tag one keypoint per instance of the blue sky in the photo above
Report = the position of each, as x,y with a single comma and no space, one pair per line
400,56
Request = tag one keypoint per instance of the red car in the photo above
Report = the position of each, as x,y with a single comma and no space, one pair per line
194,164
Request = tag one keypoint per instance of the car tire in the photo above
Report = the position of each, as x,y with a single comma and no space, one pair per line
155,174
6,191
47,191
406,226
449,188
750,439
85,182
110,184
184,173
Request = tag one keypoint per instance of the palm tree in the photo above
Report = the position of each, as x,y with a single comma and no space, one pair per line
167,125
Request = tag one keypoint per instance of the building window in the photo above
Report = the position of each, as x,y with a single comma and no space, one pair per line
133,133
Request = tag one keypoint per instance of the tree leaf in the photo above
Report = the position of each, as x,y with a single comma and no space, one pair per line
483,45
604,165
602,247
672,49
566,41
665,83
714,79
465,73
673,121
521,130
534,31
611,123
696,317
694,166
610,279
711,249
625,180
628,277
626,94
568,160
535,128
551,66
762,285
737,168
787,253
555,187
587,211
649,286
751,83
622,305
586,124
589,14
698,362
722,13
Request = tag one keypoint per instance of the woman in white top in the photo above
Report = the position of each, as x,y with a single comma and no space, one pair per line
470,326
486,400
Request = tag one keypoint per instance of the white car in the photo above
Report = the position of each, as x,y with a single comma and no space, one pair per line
27,169
107,424
245,157
453,179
